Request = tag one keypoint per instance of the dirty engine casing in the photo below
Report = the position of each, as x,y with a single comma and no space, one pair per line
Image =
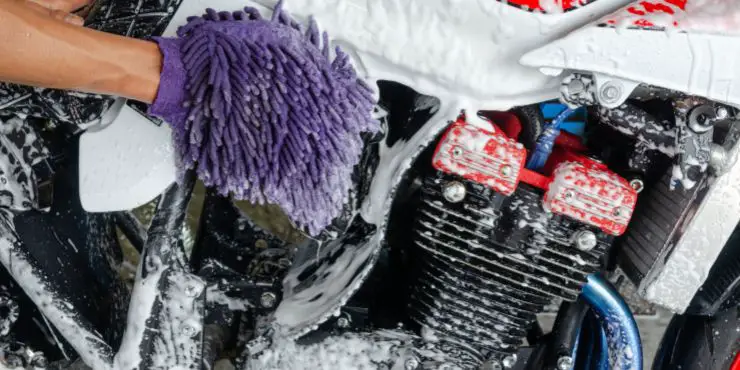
500,242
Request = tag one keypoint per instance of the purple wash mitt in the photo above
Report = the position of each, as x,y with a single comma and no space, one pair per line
260,110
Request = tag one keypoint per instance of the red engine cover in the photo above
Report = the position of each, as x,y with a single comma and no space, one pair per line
486,157
589,192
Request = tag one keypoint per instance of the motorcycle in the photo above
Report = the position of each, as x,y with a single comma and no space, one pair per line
529,148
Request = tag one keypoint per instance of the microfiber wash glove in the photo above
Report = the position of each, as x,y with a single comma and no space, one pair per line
262,111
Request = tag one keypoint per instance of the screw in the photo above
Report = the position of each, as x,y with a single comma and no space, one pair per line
411,364
585,240
454,192
343,322
457,152
509,361
569,194
637,185
189,330
617,212
506,170
565,363
268,299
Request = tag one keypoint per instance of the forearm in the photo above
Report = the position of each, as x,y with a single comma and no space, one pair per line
39,51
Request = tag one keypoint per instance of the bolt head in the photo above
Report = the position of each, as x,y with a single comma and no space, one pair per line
457,152
509,361
576,86
189,330
39,362
268,299
454,192
506,170
193,290
585,240
611,92
638,185
565,363
721,113
569,194
411,364
343,322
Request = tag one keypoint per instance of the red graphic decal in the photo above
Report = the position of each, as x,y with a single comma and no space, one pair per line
548,5
634,13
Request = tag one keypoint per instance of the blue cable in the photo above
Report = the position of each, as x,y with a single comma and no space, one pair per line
546,141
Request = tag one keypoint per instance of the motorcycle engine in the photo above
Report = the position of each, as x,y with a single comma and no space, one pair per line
498,242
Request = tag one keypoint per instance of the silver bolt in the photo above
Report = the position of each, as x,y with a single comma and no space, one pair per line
585,240
454,192
611,92
565,363
268,299
506,170
721,113
188,330
457,151
411,364
343,322
509,361
617,212
192,290
576,86
569,194
637,185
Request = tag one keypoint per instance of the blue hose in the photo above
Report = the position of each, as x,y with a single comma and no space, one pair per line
619,326
546,141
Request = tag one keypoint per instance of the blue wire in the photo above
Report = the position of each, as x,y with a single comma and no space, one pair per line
546,141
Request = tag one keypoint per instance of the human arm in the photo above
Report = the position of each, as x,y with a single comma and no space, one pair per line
39,50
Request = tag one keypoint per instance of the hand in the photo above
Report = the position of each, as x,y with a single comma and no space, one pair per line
59,9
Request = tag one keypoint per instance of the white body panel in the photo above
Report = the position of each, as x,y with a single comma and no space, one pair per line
124,164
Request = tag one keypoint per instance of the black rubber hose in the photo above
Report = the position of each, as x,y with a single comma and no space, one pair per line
564,336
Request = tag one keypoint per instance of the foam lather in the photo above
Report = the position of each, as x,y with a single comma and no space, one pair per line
263,111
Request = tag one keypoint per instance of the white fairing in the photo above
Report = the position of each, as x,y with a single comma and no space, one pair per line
688,55
124,164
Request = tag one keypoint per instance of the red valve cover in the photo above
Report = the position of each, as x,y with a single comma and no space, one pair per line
486,157
589,192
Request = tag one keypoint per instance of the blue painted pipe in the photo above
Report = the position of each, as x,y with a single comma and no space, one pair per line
620,328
